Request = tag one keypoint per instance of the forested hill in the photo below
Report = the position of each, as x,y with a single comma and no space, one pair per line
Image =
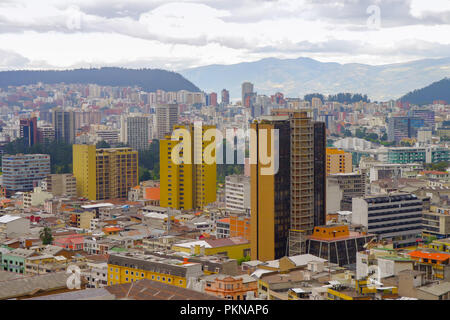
149,80
439,90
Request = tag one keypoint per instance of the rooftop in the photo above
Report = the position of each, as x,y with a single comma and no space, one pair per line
430,255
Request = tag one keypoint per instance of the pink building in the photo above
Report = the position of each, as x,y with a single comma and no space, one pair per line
72,242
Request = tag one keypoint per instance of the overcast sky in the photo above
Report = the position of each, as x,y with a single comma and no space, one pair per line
180,34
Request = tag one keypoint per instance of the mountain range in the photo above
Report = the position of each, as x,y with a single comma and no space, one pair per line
149,80
297,77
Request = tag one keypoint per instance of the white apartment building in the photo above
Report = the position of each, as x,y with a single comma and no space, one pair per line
35,198
237,193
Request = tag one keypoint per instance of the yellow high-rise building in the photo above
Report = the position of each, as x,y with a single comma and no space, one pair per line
338,161
104,173
187,185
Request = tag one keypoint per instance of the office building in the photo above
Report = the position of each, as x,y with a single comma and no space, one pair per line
166,119
427,115
212,99
270,193
337,244
406,155
395,218
338,161
135,131
28,131
225,97
349,186
64,125
247,94
104,173
46,134
23,172
187,185
403,127
436,223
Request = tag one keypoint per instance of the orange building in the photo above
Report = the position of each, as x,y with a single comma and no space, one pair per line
152,194
111,230
231,288
338,161
435,265
240,227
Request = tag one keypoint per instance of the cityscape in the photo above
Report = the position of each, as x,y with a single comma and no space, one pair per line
138,182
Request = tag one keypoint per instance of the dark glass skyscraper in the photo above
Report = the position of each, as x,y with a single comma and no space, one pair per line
28,131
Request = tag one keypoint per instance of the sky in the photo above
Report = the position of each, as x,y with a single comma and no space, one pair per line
176,35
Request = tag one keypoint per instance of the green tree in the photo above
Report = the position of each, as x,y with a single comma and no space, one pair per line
243,259
144,174
46,236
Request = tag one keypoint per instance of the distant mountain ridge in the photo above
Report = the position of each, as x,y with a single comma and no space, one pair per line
439,90
149,80
298,77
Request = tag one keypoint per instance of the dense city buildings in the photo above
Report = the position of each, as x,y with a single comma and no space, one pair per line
305,212
104,173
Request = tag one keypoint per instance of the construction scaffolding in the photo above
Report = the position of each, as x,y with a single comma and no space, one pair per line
302,181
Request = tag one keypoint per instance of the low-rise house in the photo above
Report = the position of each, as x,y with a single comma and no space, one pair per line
20,287
14,261
131,267
72,242
233,248
13,226
435,265
437,291
229,287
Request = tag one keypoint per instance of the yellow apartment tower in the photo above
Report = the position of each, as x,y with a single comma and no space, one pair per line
338,161
104,173
187,186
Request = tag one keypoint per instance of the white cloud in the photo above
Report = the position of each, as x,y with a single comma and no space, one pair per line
64,33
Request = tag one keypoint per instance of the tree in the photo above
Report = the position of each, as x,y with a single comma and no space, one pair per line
243,259
46,236
144,174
